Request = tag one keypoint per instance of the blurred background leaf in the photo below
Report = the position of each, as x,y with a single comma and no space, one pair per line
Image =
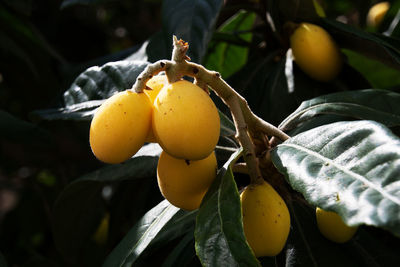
228,51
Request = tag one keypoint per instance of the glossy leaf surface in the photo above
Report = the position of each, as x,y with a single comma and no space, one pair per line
97,83
219,234
369,104
348,167
140,236
193,21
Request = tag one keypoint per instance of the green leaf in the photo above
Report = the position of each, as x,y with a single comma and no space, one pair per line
182,223
227,126
142,165
140,236
219,234
366,43
83,111
227,58
191,20
102,82
319,9
369,104
377,73
349,167
317,121
183,253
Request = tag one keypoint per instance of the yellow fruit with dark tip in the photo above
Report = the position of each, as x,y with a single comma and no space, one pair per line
120,126
156,83
331,225
315,52
376,14
266,219
184,183
185,121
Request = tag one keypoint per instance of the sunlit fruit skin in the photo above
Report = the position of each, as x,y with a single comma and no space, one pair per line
376,14
120,126
156,83
331,225
266,219
315,52
185,121
184,183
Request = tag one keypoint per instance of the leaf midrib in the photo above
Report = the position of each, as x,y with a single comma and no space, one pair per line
345,170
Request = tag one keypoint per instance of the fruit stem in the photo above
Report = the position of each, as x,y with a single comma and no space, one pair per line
240,168
245,120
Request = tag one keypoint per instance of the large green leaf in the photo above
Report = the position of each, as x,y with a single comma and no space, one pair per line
219,234
225,57
369,44
140,236
80,111
192,21
102,82
348,167
369,104
143,165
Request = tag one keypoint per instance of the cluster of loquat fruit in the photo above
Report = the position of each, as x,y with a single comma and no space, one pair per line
183,119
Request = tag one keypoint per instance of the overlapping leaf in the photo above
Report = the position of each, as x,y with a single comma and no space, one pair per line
219,234
140,236
192,21
80,111
227,56
98,83
369,104
349,167
372,45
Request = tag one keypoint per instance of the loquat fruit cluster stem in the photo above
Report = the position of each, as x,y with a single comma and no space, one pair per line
246,122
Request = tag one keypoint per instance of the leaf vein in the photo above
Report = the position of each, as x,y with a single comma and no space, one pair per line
347,171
